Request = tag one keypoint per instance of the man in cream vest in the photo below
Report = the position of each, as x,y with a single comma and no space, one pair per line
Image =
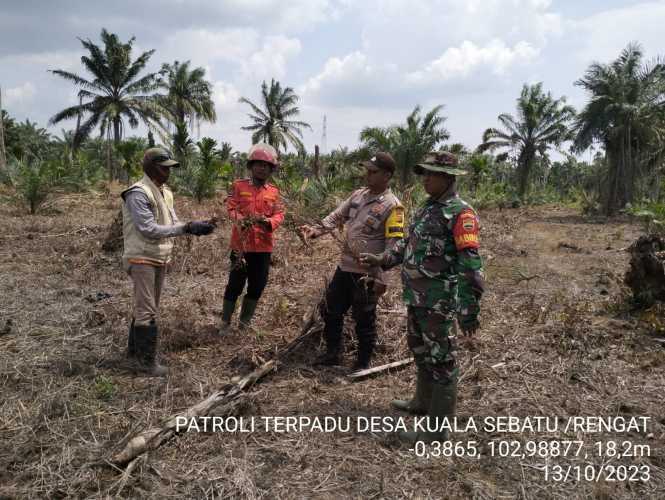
149,226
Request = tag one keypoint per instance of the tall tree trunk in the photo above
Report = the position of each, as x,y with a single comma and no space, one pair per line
116,142
630,170
75,144
3,154
616,166
524,170
316,165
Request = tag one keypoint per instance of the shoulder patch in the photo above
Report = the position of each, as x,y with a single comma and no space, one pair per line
395,223
466,230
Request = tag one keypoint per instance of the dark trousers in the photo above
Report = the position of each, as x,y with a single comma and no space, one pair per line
253,269
346,290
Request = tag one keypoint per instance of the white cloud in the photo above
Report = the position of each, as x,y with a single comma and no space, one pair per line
460,62
69,61
413,32
352,81
225,95
353,67
258,57
20,94
271,60
277,15
602,36
203,46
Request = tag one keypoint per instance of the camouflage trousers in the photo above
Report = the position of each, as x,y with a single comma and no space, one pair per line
431,338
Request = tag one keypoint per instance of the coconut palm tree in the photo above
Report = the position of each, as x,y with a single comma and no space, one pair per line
626,114
188,96
542,122
409,142
114,93
273,120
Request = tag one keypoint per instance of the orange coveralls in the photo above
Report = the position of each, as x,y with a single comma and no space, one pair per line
247,199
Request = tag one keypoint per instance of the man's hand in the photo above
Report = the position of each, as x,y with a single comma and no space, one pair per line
310,232
263,221
468,326
199,228
371,259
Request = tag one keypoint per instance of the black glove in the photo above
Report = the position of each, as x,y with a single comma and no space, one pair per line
199,228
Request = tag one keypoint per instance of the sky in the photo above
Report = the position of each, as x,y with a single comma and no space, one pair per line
359,63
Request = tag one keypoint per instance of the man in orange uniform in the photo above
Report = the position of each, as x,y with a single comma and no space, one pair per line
256,210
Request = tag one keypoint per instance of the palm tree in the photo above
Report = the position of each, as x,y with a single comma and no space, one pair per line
32,141
115,93
456,148
188,95
542,122
626,114
10,133
273,123
225,151
409,142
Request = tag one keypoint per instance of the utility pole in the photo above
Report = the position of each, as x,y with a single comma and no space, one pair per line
78,123
324,136
3,154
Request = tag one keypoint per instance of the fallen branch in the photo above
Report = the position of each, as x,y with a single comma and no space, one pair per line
154,437
378,369
122,482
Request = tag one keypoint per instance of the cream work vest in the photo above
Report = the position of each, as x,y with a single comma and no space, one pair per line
137,246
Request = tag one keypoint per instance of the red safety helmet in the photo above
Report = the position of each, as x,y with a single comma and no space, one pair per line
263,152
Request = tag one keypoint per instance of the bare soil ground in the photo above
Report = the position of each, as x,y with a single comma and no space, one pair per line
558,339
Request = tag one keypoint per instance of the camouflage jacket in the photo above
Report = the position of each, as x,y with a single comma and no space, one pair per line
441,268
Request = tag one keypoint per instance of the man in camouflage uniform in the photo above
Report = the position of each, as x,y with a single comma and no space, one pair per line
374,220
442,279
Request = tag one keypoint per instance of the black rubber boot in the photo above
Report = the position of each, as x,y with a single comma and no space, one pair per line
328,358
443,405
421,399
365,350
131,341
247,311
333,354
146,337
228,308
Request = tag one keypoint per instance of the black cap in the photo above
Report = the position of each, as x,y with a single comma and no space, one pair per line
381,160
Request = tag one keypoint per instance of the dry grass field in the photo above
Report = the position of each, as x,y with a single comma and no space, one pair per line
558,339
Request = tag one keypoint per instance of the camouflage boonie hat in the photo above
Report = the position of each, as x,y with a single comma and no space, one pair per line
159,156
439,161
